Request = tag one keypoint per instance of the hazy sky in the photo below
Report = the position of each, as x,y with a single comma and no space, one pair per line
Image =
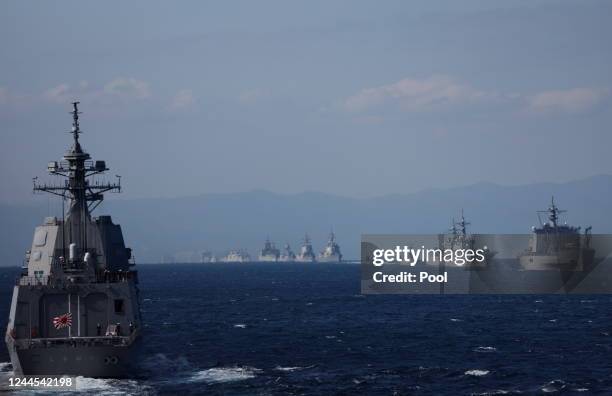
357,98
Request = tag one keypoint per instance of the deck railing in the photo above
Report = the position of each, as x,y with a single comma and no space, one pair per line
32,281
77,341
100,277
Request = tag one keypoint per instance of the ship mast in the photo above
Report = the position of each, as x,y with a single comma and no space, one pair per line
553,213
77,168
463,224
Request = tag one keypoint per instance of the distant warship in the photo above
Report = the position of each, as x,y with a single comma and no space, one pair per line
460,239
306,254
331,253
236,256
557,247
269,252
75,308
208,257
288,254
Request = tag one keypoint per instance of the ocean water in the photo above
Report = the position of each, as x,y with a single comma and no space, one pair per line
245,329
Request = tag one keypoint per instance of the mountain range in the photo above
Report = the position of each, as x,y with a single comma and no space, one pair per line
178,229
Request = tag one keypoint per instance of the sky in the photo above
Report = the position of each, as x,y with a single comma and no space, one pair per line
354,98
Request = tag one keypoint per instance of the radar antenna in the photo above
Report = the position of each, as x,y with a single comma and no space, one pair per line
77,167
76,130
553,213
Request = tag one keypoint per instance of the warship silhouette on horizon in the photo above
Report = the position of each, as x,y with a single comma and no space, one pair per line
460,239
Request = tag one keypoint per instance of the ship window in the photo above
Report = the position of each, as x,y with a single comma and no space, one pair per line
40,238
118,306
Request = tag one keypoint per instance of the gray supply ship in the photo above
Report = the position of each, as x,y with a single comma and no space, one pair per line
306,254
75,308
288,255
269,252
331,253
555,246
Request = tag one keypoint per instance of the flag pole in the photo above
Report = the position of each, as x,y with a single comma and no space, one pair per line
78,315
69,327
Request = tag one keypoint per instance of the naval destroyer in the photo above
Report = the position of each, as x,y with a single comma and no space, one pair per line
306,254
288,255
269,252
460,239
331,253
208,257
236,256
75,308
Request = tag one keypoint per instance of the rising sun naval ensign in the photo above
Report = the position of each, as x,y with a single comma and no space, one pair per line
75,308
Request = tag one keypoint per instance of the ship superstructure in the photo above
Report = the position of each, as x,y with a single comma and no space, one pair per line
331,253
75,308
306,254
555,246
237,256
287,255
208,257
459,239
269,252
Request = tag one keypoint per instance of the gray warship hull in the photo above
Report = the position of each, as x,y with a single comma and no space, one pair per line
110,358
570,261
36,347
307,259
330,259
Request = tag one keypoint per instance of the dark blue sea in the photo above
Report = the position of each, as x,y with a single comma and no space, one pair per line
267,329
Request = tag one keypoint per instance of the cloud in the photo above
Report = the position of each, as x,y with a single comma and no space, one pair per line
183,98
128,88
569,101
59,94
416,94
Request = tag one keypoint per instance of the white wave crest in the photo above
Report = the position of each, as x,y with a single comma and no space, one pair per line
5,366
554,386
485,349
224,374
112,387
287,369
477,373
93,384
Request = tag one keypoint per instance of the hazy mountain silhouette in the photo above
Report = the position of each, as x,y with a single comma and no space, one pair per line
181,227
